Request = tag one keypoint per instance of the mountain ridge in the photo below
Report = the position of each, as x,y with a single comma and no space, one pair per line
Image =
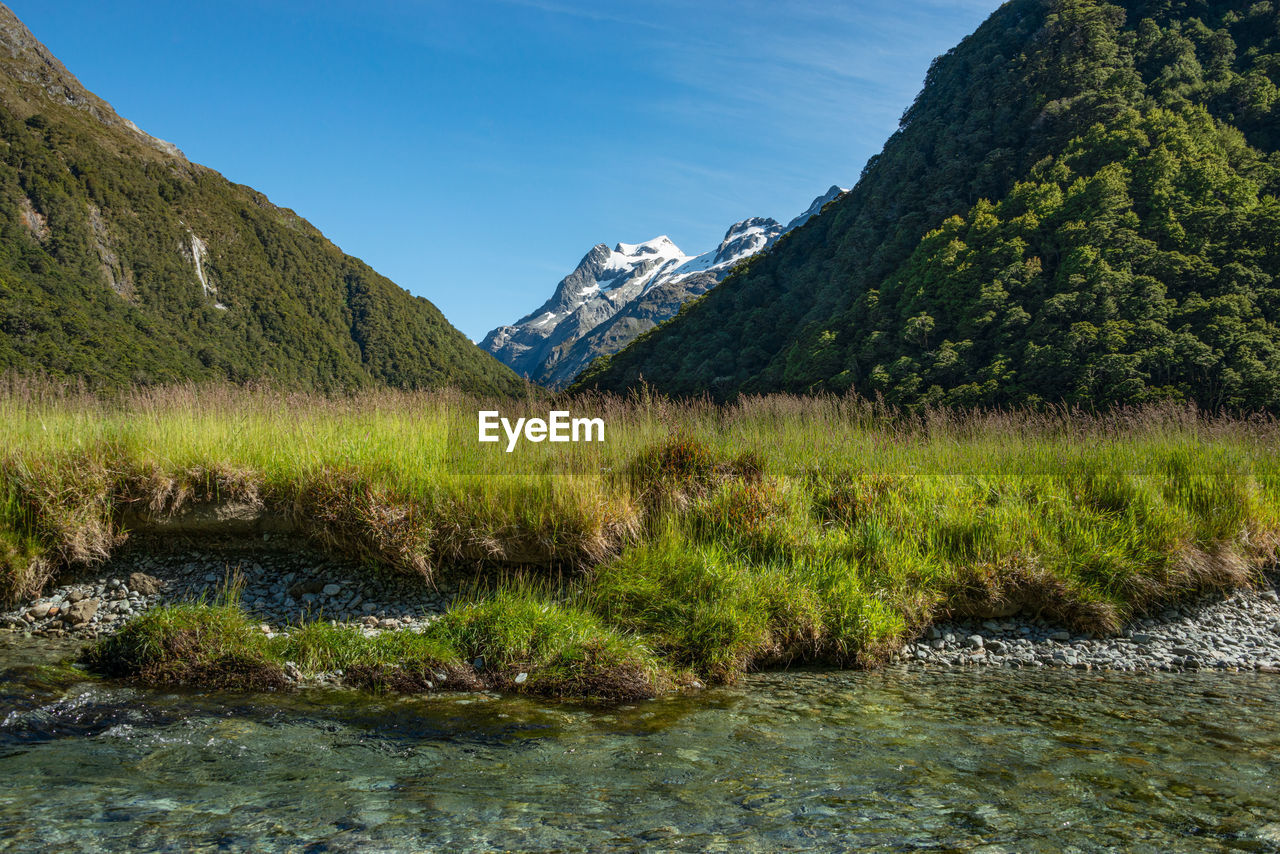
122,262
588,316
1079,207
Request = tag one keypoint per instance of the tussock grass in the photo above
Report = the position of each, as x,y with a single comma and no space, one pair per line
698,540
514,639
200,644
564,650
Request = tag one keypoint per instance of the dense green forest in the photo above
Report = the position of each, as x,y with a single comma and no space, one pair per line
1080,207
122,262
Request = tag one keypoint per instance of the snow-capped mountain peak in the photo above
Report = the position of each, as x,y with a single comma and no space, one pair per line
660,245
648,280
630,260
742,240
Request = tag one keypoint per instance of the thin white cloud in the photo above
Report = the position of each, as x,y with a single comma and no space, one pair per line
589,12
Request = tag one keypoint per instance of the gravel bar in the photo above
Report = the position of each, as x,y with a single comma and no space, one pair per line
281,587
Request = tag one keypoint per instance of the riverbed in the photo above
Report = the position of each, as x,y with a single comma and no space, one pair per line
927,759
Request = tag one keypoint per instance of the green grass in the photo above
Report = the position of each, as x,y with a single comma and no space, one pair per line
208,645
513,639
698,541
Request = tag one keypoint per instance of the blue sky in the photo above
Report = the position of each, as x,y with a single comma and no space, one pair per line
473,151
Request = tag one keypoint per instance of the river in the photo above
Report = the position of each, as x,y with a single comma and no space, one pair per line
897,760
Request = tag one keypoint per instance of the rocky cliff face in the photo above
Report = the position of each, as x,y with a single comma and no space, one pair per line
613,296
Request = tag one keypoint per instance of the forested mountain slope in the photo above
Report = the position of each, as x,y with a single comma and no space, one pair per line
123,262
1080,206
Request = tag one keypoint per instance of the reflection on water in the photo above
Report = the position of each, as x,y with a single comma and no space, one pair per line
894,761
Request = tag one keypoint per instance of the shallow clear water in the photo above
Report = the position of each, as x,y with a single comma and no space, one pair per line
894,761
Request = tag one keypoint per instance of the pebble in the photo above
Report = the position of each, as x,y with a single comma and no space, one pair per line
98,602
1240,631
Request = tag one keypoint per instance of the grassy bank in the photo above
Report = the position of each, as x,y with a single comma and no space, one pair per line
514,639
695,542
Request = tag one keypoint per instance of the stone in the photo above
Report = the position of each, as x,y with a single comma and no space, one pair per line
146,585
1269,832
974,641
38,611
522,678
81,612
331,589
